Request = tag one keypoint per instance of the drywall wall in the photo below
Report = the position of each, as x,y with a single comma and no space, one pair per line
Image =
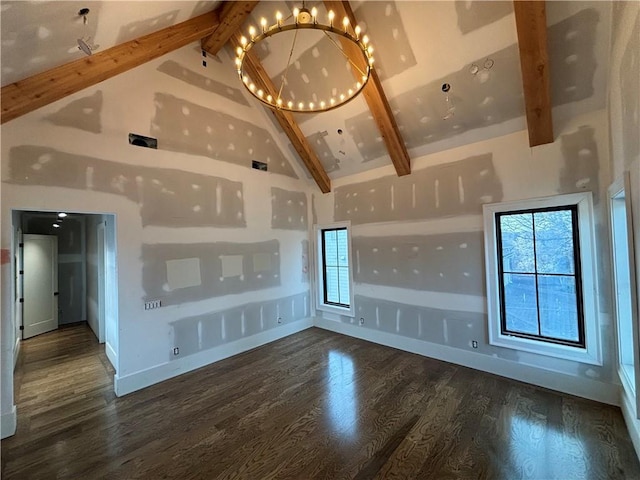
194,226
418,248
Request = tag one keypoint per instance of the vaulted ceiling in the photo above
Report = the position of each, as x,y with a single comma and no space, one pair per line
509,65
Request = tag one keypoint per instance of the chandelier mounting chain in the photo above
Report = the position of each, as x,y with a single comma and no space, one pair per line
304,19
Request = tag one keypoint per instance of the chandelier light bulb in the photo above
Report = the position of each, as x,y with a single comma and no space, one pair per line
296,12
260,93
290,104
370,49
345,24
342,97
252,32
332,101
350,92
322,104
311,105
301,105
314,14
252,87
331,17
357,31
278,17
263,24
245,79
238,61
243,41
269,98
365,39
371,60
239,51
279,102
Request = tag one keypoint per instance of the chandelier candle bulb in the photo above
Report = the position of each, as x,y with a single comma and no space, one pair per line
252,32
263,24
357,31
278,19
345,24
243,41
331,17
296,12
314,14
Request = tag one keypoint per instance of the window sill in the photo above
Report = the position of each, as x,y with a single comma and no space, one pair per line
564,352
348,311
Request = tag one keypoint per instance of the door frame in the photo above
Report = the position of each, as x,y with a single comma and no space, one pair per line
111,276
618,187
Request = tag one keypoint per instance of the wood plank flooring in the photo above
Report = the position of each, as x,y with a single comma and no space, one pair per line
315,405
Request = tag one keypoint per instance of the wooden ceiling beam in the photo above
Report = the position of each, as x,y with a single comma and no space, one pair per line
262,81
44,88
376,98
531,24
232,16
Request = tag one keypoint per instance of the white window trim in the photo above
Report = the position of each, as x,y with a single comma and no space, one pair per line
592,353
320,305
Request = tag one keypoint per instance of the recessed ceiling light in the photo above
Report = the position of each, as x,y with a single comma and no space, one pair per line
55,225
62,215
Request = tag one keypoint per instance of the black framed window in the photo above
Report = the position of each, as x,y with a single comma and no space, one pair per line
335,264
539,275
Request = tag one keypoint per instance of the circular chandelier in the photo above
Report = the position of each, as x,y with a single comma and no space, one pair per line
281,98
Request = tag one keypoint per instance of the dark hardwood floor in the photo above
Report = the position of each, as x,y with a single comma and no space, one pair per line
315,405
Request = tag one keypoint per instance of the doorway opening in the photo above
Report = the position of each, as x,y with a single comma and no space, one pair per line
624,287
64,270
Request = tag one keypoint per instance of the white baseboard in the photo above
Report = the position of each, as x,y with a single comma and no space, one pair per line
8,423
627,405
16,353
111,355
581,387
145,378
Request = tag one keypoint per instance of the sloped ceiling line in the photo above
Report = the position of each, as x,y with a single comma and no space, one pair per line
262,81
44,88
377,101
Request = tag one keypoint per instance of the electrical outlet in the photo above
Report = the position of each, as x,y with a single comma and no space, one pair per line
152,304
279,320
474,344
176,350
361,321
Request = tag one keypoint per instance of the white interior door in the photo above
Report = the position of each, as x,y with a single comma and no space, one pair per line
40,313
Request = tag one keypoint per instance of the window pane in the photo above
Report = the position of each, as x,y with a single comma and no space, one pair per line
343,276
554,241
331,279
330,248
343,248
521,312
517,243
558,307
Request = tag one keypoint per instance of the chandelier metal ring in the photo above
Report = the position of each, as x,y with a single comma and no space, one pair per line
273,99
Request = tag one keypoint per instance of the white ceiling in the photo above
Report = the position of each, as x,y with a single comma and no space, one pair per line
419,46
